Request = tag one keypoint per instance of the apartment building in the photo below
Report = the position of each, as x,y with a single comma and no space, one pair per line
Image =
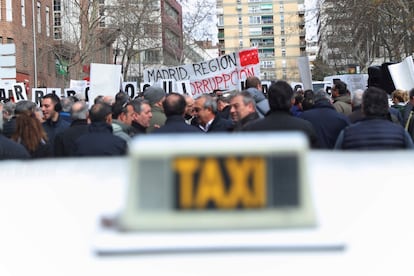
30,29
276,28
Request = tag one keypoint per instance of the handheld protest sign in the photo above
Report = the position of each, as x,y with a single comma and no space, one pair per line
218,181
130,88
19,92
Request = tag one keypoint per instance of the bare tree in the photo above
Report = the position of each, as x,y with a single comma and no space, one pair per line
83,35
139,26
362,31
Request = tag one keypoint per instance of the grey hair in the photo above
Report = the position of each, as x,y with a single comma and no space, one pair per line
9,108
79,111
137,104
357,97
247,97
209,102
67,104
320,95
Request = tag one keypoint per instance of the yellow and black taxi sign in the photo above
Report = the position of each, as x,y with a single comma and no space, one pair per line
218,181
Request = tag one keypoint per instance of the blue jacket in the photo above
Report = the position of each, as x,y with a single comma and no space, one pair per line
374,134
99,141
326,121
53,128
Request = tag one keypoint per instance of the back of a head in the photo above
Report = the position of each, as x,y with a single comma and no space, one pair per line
280,96
99,112
121,97
375,102
357,97
174,104
411,94
117,108
79,111
341,87
252,81
67,104
9,107
320,96
23,106
154,94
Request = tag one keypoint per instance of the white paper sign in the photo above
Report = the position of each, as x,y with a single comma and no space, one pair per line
105,80
403,74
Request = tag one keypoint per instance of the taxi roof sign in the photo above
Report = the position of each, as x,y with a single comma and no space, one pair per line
218,181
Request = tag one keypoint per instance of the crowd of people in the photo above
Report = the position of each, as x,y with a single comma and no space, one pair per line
68,127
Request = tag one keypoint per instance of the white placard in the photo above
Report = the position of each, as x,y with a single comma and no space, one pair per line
105,80
402,74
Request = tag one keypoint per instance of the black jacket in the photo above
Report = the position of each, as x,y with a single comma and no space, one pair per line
65,140
12,150
284,121
220,125
99,141
176,124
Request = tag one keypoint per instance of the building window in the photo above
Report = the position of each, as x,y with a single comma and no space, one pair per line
23,13
10,40
9,10
220,20
39,18
254,9
283,52
254,19
173,39
240,20
47,22
171,12
57,20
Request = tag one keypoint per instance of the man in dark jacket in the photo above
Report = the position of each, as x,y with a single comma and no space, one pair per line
174,108
53,123
326,121
99,141
65,140
279,118
206,111
243,109
8,148
375,131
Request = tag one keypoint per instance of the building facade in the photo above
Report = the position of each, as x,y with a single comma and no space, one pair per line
30,29
276,28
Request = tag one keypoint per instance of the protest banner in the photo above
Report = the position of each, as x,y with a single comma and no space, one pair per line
402,74
222,73
105,80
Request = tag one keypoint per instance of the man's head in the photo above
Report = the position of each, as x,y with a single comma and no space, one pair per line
206,108
189,108
254,82
280,95
223,101
174,104
123,111
320,96
242,104
356,100
100,112
142,112
79,111
339,89
8,110
375,102
51,107
154,95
